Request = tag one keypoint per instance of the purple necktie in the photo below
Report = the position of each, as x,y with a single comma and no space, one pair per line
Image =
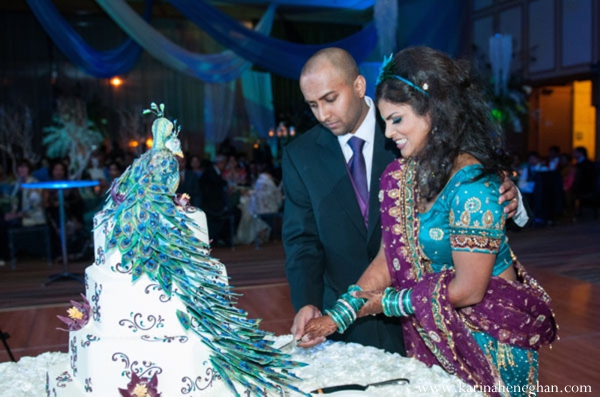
358,171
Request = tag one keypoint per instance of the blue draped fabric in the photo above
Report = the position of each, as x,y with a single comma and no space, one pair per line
245,46
437,24
346,4
258,96
100,64
277,56
370,71
211,68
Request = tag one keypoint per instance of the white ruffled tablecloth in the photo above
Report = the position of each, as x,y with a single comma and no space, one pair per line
330,364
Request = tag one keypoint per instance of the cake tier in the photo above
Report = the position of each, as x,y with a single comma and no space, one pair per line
328,365
100,365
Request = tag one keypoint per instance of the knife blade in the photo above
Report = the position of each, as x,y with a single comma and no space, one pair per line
356,386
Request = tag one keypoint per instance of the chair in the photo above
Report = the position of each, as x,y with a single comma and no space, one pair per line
269,218
28,234
592,199
217,222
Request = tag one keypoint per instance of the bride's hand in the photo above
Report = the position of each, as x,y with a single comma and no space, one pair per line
315,331
373,304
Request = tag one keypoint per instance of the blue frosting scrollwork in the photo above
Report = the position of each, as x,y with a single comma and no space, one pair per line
137,323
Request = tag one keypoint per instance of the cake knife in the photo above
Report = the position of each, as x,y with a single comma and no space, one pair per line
355,386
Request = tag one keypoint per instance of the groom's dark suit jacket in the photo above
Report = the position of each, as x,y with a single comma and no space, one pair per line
326,242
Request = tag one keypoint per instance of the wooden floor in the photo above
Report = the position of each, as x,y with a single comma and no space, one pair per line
565,259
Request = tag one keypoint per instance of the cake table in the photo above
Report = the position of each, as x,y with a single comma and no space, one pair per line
330,364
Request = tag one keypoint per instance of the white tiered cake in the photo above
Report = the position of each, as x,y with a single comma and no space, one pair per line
133,329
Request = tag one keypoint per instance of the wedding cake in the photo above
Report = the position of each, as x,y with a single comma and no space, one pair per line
133,330
159,317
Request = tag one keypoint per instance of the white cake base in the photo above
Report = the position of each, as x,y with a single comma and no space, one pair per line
330,364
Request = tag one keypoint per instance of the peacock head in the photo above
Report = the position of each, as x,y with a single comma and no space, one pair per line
164,132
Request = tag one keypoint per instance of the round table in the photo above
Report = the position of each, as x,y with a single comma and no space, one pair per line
61,186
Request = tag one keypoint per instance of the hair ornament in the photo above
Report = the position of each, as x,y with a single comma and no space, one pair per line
386,73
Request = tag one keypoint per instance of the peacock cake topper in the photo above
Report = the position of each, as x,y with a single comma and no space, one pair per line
164,132
147,222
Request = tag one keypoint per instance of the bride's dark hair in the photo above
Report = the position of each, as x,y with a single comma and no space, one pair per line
461,119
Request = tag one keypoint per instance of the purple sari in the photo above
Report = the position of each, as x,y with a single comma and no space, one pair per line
514,313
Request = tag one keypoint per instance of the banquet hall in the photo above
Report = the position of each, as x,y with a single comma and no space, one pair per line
76,76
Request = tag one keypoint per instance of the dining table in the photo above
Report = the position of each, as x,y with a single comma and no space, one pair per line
61,186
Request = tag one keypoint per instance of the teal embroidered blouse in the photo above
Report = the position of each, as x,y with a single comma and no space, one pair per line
466,217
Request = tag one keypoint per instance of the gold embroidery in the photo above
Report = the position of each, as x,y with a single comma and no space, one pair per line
434,336
394,193
475,242
472,205
467,322
534,339
436,233
397,229
505,356
488,218
540,319
465,218
504,335
394,212
451,216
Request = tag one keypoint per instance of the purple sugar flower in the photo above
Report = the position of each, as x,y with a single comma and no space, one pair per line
141,387
79,315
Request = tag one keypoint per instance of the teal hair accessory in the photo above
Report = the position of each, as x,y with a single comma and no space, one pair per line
386,73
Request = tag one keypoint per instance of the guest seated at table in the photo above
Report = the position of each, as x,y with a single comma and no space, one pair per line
73,206
266,194
195,164
213,190
26,204
25,207
528,170
553,161
113,170
188,183
235,174
264,199
567,172
42,173
585,181
97,172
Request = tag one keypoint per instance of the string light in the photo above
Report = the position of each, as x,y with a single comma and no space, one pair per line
116,81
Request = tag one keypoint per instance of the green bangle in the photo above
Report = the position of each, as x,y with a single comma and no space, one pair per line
406,303
345,310
396,303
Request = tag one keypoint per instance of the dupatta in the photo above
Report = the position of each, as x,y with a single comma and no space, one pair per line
516,313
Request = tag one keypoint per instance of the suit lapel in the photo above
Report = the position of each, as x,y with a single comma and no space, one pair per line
333,165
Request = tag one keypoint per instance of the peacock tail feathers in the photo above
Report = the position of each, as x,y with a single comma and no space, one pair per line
156,237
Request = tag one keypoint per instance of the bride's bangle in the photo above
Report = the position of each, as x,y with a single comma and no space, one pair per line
397,303
346,309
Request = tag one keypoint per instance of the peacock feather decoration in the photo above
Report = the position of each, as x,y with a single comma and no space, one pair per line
154,236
